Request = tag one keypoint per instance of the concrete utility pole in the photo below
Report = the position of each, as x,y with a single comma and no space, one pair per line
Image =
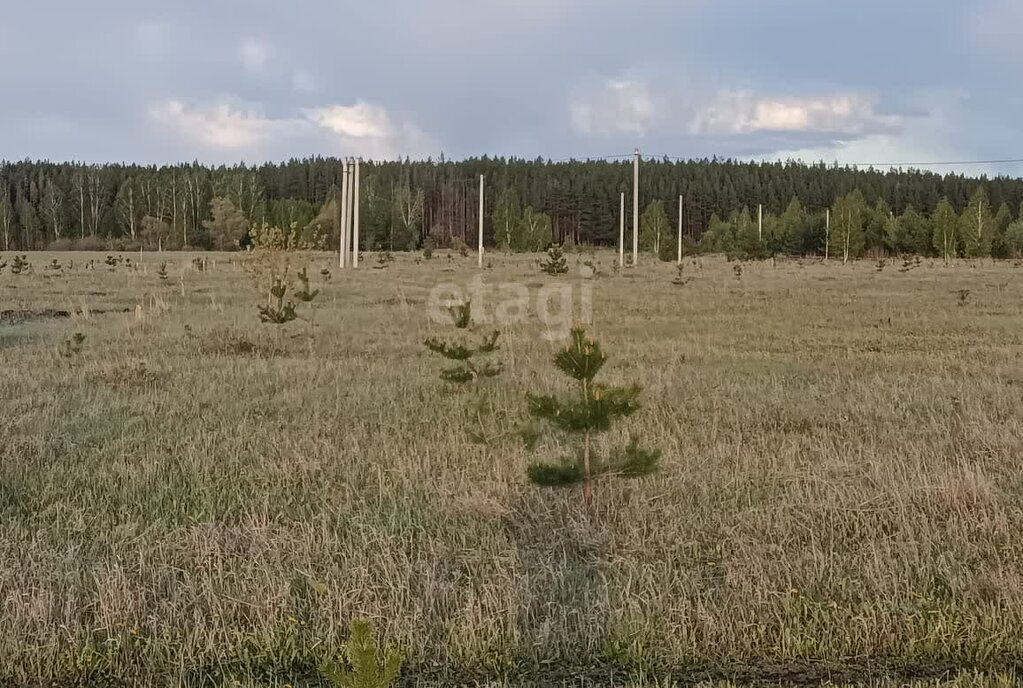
621,234
635,208
351,198
342,261
679,230
480,261
355,232
760,222
827,232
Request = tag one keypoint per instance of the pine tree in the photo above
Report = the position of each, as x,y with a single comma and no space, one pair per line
593,411
277,312
466,370
366,664
556,264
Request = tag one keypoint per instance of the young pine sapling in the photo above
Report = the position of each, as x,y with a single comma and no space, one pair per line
592,411
304,294
19,264
277,312
466,370
555,263
72,346
365,663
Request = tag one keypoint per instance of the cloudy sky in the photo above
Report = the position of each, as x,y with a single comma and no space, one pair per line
855,81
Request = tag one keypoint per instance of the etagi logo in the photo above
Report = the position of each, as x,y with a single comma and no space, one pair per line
557,304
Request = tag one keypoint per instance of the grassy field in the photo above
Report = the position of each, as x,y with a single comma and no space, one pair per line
196,498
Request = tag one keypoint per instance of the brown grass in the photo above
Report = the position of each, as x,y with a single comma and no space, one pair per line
197,496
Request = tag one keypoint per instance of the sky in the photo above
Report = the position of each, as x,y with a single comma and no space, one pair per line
848,81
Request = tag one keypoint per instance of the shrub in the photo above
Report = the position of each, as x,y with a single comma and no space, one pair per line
62,244
89,243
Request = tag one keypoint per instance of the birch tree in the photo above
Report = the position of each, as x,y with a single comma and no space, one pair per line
408,209
94,183
52,202
6,217
945,223
128,207
847,219
653,227
977,226
508,220
536,230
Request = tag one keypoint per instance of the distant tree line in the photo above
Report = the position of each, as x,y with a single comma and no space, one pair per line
411,204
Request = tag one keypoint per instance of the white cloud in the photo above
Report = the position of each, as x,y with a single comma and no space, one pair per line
370,130
658,107
743,112
361,120
220,127
361,129
254,54
619,106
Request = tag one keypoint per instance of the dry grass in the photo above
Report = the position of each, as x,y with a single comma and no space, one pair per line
197,497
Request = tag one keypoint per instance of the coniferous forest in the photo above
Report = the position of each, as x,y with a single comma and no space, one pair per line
807,209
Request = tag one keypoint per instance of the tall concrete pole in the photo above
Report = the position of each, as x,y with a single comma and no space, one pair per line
351,194
827,232
635,208
480,261
679,230
355,231
343,229
621,234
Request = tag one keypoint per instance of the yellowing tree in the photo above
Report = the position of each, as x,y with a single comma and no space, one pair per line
228,224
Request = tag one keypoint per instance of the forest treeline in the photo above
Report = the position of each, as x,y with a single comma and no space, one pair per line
409,204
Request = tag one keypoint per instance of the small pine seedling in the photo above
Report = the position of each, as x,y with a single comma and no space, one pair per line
162,271
593,411
963,295
679,280
383,258
737,269
304,294
879,266
428,253
325,273
19,264
466,369
279,312
72,346
365,663
555,263
54,265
